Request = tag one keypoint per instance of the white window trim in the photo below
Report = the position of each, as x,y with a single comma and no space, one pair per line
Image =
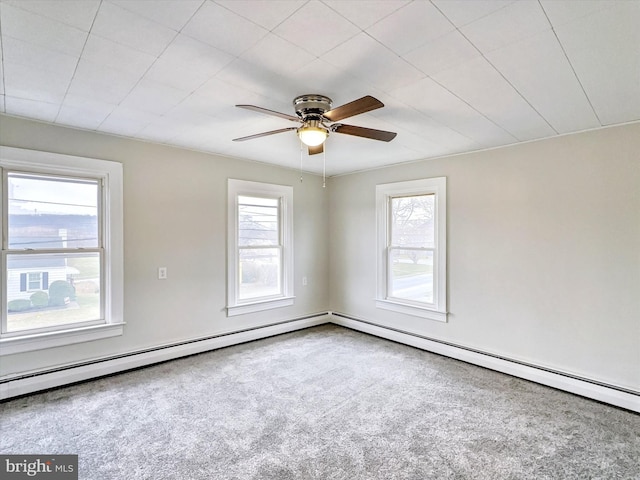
384,192
285,193
111,175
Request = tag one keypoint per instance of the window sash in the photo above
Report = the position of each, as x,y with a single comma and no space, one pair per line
66,250
276,245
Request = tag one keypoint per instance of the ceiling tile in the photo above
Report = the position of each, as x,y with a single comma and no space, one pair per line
604,50
216,94
33,55
462,12
35,109
112,55
435,101
410,27
507,25
153,97
126,121
364,17
257,80
122,26
479,84
370,61
326,79
170,13
33,83
83,112
442,53
332,28
187,63
277,55
266,14
93,80
539,70
223,29
75,13
39,30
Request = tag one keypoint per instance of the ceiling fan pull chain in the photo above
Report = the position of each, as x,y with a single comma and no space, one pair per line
324,167
301,148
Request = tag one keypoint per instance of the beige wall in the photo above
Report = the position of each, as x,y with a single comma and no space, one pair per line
543,252
175,216
543,247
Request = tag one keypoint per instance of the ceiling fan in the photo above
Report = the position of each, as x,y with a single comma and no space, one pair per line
317,117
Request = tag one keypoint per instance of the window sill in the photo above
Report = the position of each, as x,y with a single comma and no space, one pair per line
27,343
258,306
416,311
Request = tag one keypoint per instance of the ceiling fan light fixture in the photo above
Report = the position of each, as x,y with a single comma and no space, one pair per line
312,136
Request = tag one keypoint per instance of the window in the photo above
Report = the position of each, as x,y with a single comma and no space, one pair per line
412,247
260,256
61,250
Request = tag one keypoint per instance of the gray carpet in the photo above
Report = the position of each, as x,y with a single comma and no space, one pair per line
323,403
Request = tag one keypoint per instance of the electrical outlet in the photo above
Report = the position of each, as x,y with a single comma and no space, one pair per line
304,281
162,273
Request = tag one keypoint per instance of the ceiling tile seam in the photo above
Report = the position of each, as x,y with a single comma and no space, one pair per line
575,74
75,70
501,75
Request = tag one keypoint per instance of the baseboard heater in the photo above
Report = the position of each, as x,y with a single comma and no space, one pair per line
26,383
611,394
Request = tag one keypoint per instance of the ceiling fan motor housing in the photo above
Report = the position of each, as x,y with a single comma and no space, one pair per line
311,106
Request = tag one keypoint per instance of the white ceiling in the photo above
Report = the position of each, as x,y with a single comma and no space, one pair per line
454,75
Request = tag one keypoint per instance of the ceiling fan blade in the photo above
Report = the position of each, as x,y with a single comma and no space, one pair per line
316,150
374,134
264,134
362,105
269,112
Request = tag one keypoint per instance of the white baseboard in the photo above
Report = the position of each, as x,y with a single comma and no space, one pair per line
583,387
36,381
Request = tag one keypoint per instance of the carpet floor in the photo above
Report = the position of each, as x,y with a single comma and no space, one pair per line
323,403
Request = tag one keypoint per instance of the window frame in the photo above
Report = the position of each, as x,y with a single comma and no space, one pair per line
384,194
284,194
109,176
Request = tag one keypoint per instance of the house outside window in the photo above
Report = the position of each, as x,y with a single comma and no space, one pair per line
260,241
411,264
61,250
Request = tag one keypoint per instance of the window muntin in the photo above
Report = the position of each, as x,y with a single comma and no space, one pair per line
260,246
412,247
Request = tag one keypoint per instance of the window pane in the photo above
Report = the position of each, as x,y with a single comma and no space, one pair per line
51,212
67,290
412,221
259,272
411,275
257,221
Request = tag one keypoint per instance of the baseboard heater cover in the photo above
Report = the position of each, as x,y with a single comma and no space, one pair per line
32,382
609,394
